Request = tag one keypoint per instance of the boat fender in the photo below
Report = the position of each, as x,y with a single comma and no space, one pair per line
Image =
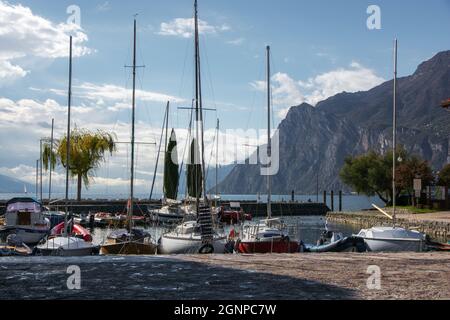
206,249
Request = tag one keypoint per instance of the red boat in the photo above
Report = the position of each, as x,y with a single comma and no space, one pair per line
267,237
77,231
230,216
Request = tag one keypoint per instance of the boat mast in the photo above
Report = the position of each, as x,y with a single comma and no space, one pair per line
69,101
133,114
51,155
199,107
217,161
269,140
394,134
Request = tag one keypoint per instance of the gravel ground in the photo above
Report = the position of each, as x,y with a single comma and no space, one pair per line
299,276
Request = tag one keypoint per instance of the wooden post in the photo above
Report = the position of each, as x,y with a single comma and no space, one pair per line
340,200
332,200
293,196
325,198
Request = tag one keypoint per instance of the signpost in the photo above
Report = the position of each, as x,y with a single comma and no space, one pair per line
417,190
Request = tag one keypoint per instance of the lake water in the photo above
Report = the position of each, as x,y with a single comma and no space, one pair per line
305,228
349,202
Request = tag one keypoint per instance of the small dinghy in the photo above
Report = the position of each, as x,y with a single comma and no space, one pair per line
336,242
14,246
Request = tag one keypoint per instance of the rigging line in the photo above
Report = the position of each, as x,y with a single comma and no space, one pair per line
159,153
209,74
252,108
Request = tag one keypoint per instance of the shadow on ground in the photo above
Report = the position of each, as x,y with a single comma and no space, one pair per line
151,278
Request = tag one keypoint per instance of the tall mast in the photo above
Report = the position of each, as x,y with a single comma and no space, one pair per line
131,203
69,101
217,160
199,106
269,140
40,170
197,118
394,133
51,153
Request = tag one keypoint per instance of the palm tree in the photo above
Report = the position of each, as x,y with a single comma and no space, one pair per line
87,152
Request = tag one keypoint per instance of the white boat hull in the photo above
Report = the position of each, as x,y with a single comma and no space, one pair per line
66,247
393,239
394,245
187,245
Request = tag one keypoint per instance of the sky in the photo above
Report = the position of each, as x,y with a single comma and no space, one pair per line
319,48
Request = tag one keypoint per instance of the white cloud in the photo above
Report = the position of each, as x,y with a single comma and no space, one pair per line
105,6
10,72
102,93
184,27
24,34
288,92
236,42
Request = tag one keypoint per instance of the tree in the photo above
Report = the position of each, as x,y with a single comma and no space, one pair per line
371,173
444,176
413,168
87,152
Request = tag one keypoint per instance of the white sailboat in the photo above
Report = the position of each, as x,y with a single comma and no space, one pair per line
195,236
132,241
65,244
269,235
387,239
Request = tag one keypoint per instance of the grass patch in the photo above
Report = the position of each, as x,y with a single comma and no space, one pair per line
415,210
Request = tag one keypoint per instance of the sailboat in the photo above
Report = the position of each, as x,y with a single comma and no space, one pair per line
198,236
132,241
65,244
172,211
393,238
269,235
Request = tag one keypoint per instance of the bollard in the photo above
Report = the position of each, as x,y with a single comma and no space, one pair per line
332,201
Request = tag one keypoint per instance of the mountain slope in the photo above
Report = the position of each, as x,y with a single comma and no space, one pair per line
315,140
12,185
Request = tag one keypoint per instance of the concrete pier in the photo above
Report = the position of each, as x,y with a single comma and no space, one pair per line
286,208
436,225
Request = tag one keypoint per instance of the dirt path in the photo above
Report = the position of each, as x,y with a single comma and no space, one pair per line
403,275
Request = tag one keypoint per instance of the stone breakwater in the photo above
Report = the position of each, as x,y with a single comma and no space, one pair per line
436,225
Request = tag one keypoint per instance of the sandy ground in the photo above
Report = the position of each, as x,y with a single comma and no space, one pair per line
443,216
191,277
345,275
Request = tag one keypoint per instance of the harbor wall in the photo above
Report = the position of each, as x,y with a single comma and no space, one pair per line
252,207
436,229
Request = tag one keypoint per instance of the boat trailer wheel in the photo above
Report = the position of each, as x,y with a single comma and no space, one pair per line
206,249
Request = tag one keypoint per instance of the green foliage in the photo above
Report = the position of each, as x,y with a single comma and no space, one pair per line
371,173
444,176
171,174
87,152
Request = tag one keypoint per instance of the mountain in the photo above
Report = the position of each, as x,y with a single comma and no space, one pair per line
314,141
12,185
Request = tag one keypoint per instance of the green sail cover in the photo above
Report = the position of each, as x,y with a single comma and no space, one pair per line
194,171
171,174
